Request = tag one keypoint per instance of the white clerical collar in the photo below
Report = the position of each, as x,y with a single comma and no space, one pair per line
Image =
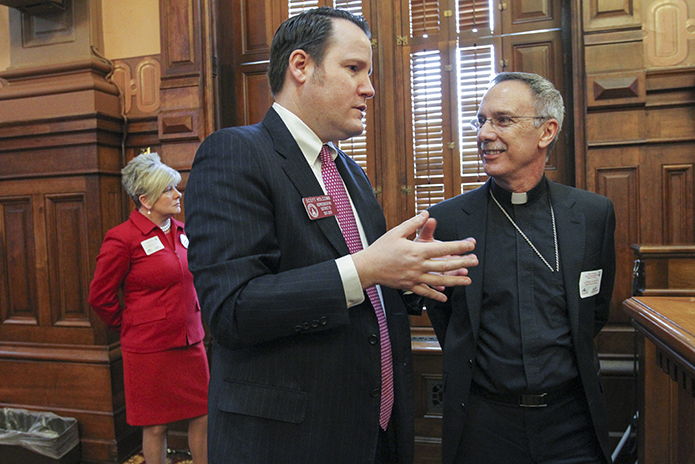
519,198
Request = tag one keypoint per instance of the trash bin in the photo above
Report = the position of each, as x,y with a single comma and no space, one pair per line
37,438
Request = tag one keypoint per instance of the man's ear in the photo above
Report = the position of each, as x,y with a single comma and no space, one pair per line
300,64
550,128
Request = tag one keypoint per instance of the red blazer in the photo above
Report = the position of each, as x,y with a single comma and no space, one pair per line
161,309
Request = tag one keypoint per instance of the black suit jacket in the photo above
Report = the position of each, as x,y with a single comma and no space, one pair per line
585,227
295,374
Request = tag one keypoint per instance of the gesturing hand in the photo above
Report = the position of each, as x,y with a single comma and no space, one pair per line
424,266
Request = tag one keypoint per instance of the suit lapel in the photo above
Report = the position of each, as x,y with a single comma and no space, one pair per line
299,172
571,230
473,223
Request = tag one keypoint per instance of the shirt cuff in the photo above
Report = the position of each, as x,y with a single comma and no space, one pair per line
352,286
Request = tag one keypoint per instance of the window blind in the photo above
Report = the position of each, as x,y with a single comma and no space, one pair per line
427,120
424,18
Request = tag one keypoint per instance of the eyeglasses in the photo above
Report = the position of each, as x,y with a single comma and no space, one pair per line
501,122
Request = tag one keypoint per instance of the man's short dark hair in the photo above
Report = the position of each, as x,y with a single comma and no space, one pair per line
309,31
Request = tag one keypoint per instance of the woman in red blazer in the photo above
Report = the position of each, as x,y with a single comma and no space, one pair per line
165,366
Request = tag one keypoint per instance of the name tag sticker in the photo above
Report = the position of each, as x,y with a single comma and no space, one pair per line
590,283
184,241
152,245
319,207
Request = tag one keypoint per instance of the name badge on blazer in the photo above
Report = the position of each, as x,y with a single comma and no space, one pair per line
319,207
152,245
590,283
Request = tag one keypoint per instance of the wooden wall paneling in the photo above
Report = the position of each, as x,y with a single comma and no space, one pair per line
185,117
621,184
677,199
427,388
17,271
253,93
254,27
611,14
572,24
542,54
613,128
81,382
613,52
68,259
531,15
60,157
655,423
615,173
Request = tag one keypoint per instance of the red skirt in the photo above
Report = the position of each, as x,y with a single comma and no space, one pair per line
166,386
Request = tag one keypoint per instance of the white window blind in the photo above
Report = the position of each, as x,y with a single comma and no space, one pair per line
427,119
468,44
300,6
475,69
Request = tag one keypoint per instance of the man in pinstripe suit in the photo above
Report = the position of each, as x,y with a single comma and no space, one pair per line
296,363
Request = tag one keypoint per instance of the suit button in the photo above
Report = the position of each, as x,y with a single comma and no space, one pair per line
373,339
470,363
298,328
323,320
306,326
314,323
376,393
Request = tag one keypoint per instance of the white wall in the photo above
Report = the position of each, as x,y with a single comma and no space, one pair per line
131,28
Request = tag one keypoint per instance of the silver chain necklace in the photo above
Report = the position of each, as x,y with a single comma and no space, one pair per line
552,215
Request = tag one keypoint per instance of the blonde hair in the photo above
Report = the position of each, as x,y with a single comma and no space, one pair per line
147,175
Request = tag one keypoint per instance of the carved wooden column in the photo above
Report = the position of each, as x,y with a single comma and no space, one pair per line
60,161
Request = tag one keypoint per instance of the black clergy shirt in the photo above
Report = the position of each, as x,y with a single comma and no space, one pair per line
524,342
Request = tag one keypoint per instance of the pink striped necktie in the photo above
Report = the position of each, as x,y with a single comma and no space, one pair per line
336,189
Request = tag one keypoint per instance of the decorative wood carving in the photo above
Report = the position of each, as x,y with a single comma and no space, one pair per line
179,125
621,87
667,32
139,82
616,89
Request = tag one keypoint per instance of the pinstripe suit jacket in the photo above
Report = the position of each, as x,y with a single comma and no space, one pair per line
585,232
295,374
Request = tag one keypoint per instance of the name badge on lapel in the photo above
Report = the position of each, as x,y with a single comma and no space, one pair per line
152,245
590,283
319,207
